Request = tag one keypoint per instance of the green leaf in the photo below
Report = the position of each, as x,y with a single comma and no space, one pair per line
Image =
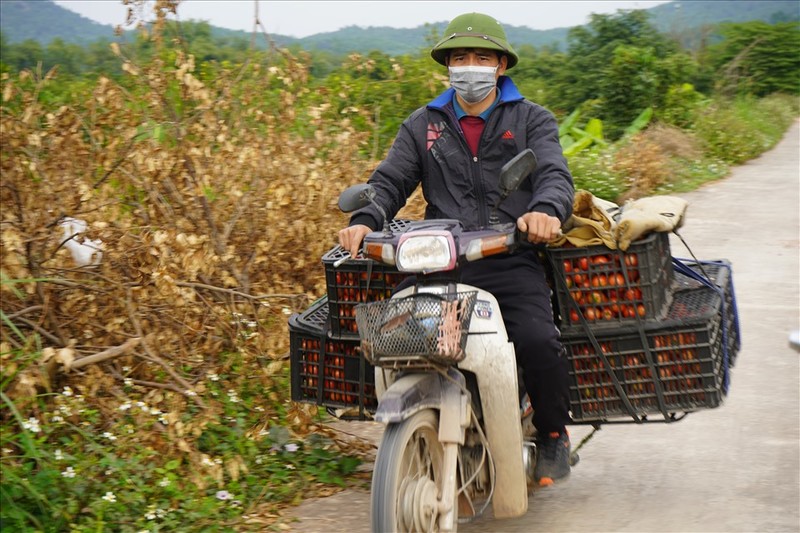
582,144
594,128
568,122
279,435
639,122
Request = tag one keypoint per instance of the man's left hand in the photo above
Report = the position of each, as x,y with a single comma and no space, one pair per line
540,227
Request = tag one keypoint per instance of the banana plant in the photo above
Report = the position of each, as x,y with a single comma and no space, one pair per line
574,139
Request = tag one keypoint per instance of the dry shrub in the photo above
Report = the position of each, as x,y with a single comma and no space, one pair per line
213,212
647,161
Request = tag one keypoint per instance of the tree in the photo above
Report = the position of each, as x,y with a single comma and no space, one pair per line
757,58
617,66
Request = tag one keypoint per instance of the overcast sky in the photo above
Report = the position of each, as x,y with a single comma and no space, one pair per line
304,18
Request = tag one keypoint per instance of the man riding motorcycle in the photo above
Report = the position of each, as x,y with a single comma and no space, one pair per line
455,147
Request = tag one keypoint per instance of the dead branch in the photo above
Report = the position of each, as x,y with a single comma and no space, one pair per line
110,353
237,293
39,329
24,312
152,356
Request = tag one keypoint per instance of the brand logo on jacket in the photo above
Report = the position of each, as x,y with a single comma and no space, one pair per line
507,135
434,132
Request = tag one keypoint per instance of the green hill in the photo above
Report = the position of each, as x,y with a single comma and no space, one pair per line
43,21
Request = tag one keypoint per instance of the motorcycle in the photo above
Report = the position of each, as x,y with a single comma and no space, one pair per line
446,376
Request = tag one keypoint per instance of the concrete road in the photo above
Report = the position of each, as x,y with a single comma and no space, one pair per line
733,468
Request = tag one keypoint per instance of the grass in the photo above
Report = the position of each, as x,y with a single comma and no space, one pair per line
74,466
667,160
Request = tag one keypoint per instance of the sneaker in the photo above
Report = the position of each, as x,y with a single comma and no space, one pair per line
553,460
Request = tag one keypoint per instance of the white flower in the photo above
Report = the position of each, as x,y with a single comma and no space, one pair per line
291,447
259,408
58,455
233,397
163,420
109,436
191,393
109,497
67,391
213,377
125,406
32,425
287,311
57,418
164,482
126,369
224,495
128,382
69,472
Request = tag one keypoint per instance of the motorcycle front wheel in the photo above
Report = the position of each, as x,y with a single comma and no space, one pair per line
407,479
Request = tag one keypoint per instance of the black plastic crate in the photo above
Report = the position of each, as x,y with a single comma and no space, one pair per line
686,367
326,370
612,288
720,273
357,281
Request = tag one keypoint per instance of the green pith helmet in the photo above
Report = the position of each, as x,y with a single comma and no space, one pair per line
474,30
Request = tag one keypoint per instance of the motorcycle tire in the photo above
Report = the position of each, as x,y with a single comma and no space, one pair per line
407,478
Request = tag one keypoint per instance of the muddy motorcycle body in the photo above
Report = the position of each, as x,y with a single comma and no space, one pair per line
446,375
453,442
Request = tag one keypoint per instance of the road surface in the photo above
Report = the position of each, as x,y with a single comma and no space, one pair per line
735,468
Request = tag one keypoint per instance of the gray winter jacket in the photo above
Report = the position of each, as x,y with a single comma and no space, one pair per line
430,148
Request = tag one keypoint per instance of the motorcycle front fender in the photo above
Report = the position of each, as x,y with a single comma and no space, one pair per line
411,393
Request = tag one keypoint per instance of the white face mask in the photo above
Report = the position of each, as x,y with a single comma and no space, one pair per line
473,84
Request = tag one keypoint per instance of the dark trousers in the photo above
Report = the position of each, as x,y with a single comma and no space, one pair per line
518,283
520,286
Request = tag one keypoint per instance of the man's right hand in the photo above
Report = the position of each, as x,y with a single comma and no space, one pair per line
350,238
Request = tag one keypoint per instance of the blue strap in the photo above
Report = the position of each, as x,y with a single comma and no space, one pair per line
701,277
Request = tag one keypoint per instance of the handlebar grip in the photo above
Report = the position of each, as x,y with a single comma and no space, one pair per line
524,244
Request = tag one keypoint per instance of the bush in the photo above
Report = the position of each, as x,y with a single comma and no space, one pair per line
737,130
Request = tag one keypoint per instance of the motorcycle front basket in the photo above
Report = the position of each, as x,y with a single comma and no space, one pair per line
418,329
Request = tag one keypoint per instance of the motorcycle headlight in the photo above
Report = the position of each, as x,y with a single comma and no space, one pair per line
425,252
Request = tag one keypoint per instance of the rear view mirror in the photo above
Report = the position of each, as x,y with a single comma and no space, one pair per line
511,176
513,172
356,197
